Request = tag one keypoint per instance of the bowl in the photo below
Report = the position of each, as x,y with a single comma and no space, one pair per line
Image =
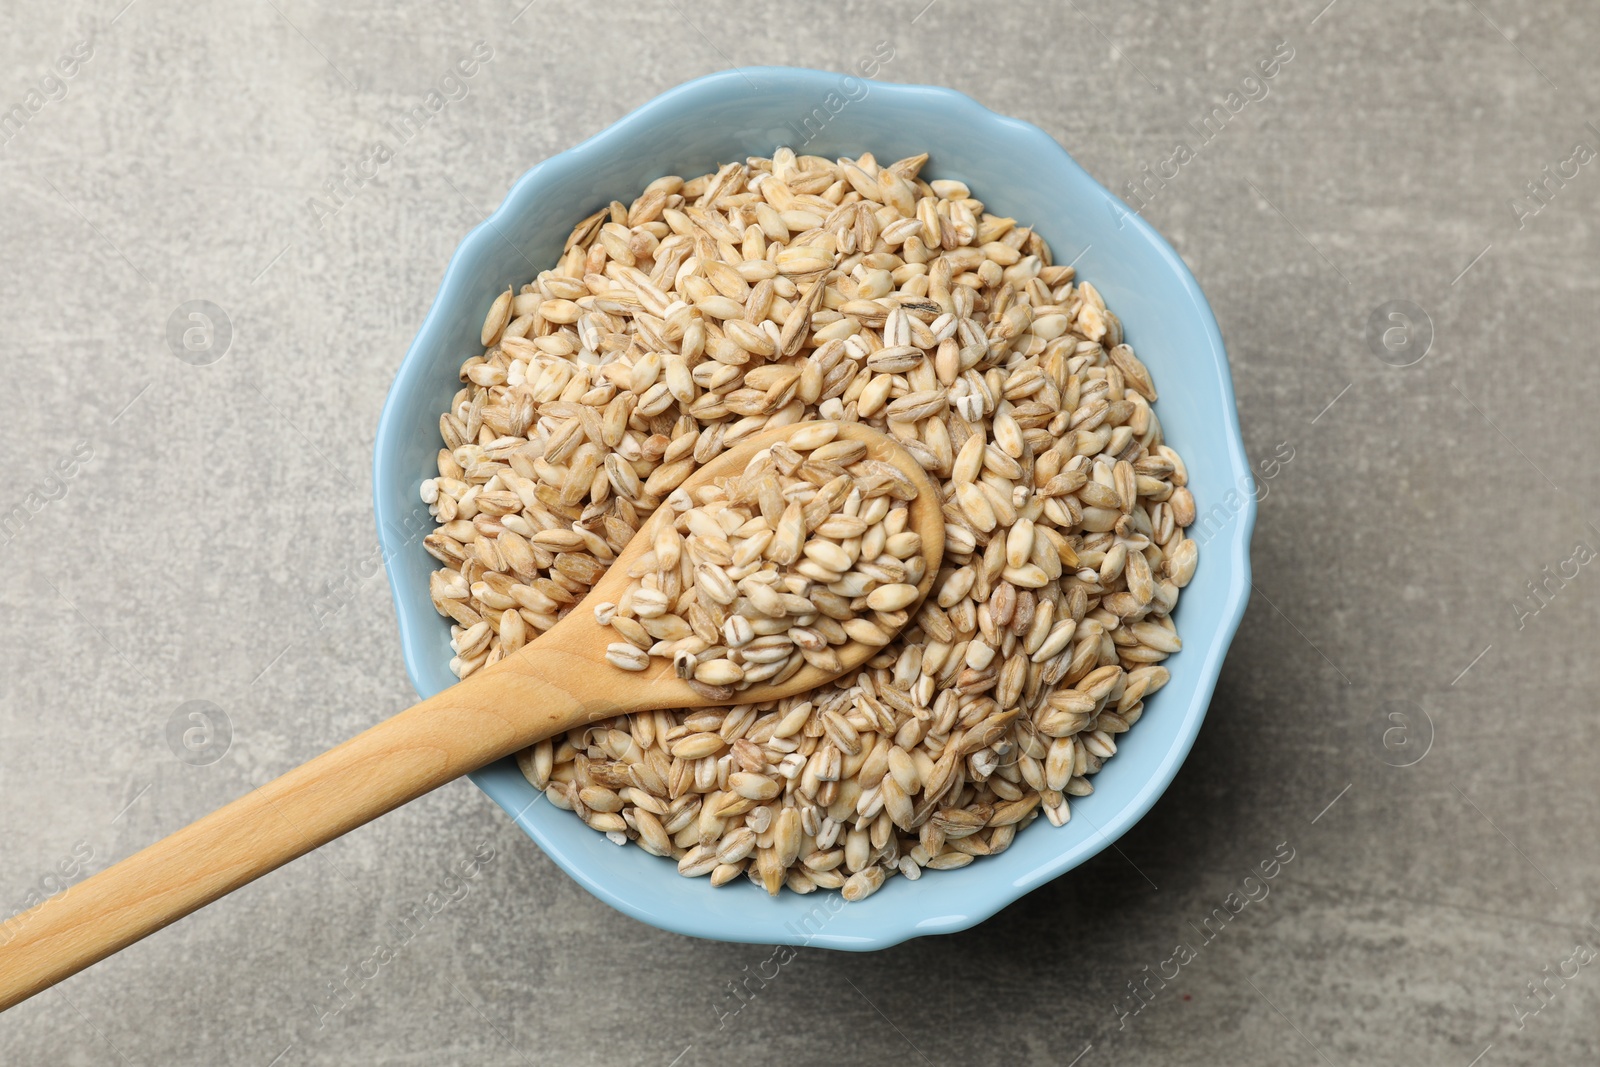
1016,169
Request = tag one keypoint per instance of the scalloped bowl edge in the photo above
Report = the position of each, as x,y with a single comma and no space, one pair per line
950,901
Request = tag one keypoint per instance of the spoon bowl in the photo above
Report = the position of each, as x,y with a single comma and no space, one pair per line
579,641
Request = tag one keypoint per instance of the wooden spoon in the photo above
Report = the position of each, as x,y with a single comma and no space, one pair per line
548,687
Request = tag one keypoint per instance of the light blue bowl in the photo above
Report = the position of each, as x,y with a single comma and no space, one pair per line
1017,170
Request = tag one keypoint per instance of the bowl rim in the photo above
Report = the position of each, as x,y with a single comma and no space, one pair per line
1235,550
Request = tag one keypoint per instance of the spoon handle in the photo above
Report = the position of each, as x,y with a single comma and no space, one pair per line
493,713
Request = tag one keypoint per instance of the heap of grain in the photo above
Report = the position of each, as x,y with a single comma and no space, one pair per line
793,288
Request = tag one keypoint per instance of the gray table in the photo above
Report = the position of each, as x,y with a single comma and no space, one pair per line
212,541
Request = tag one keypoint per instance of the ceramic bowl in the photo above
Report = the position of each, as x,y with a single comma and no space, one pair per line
1017,170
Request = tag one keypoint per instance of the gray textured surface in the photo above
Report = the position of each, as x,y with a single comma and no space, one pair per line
186,558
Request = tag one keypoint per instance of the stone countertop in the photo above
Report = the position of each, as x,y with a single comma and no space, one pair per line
214,540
